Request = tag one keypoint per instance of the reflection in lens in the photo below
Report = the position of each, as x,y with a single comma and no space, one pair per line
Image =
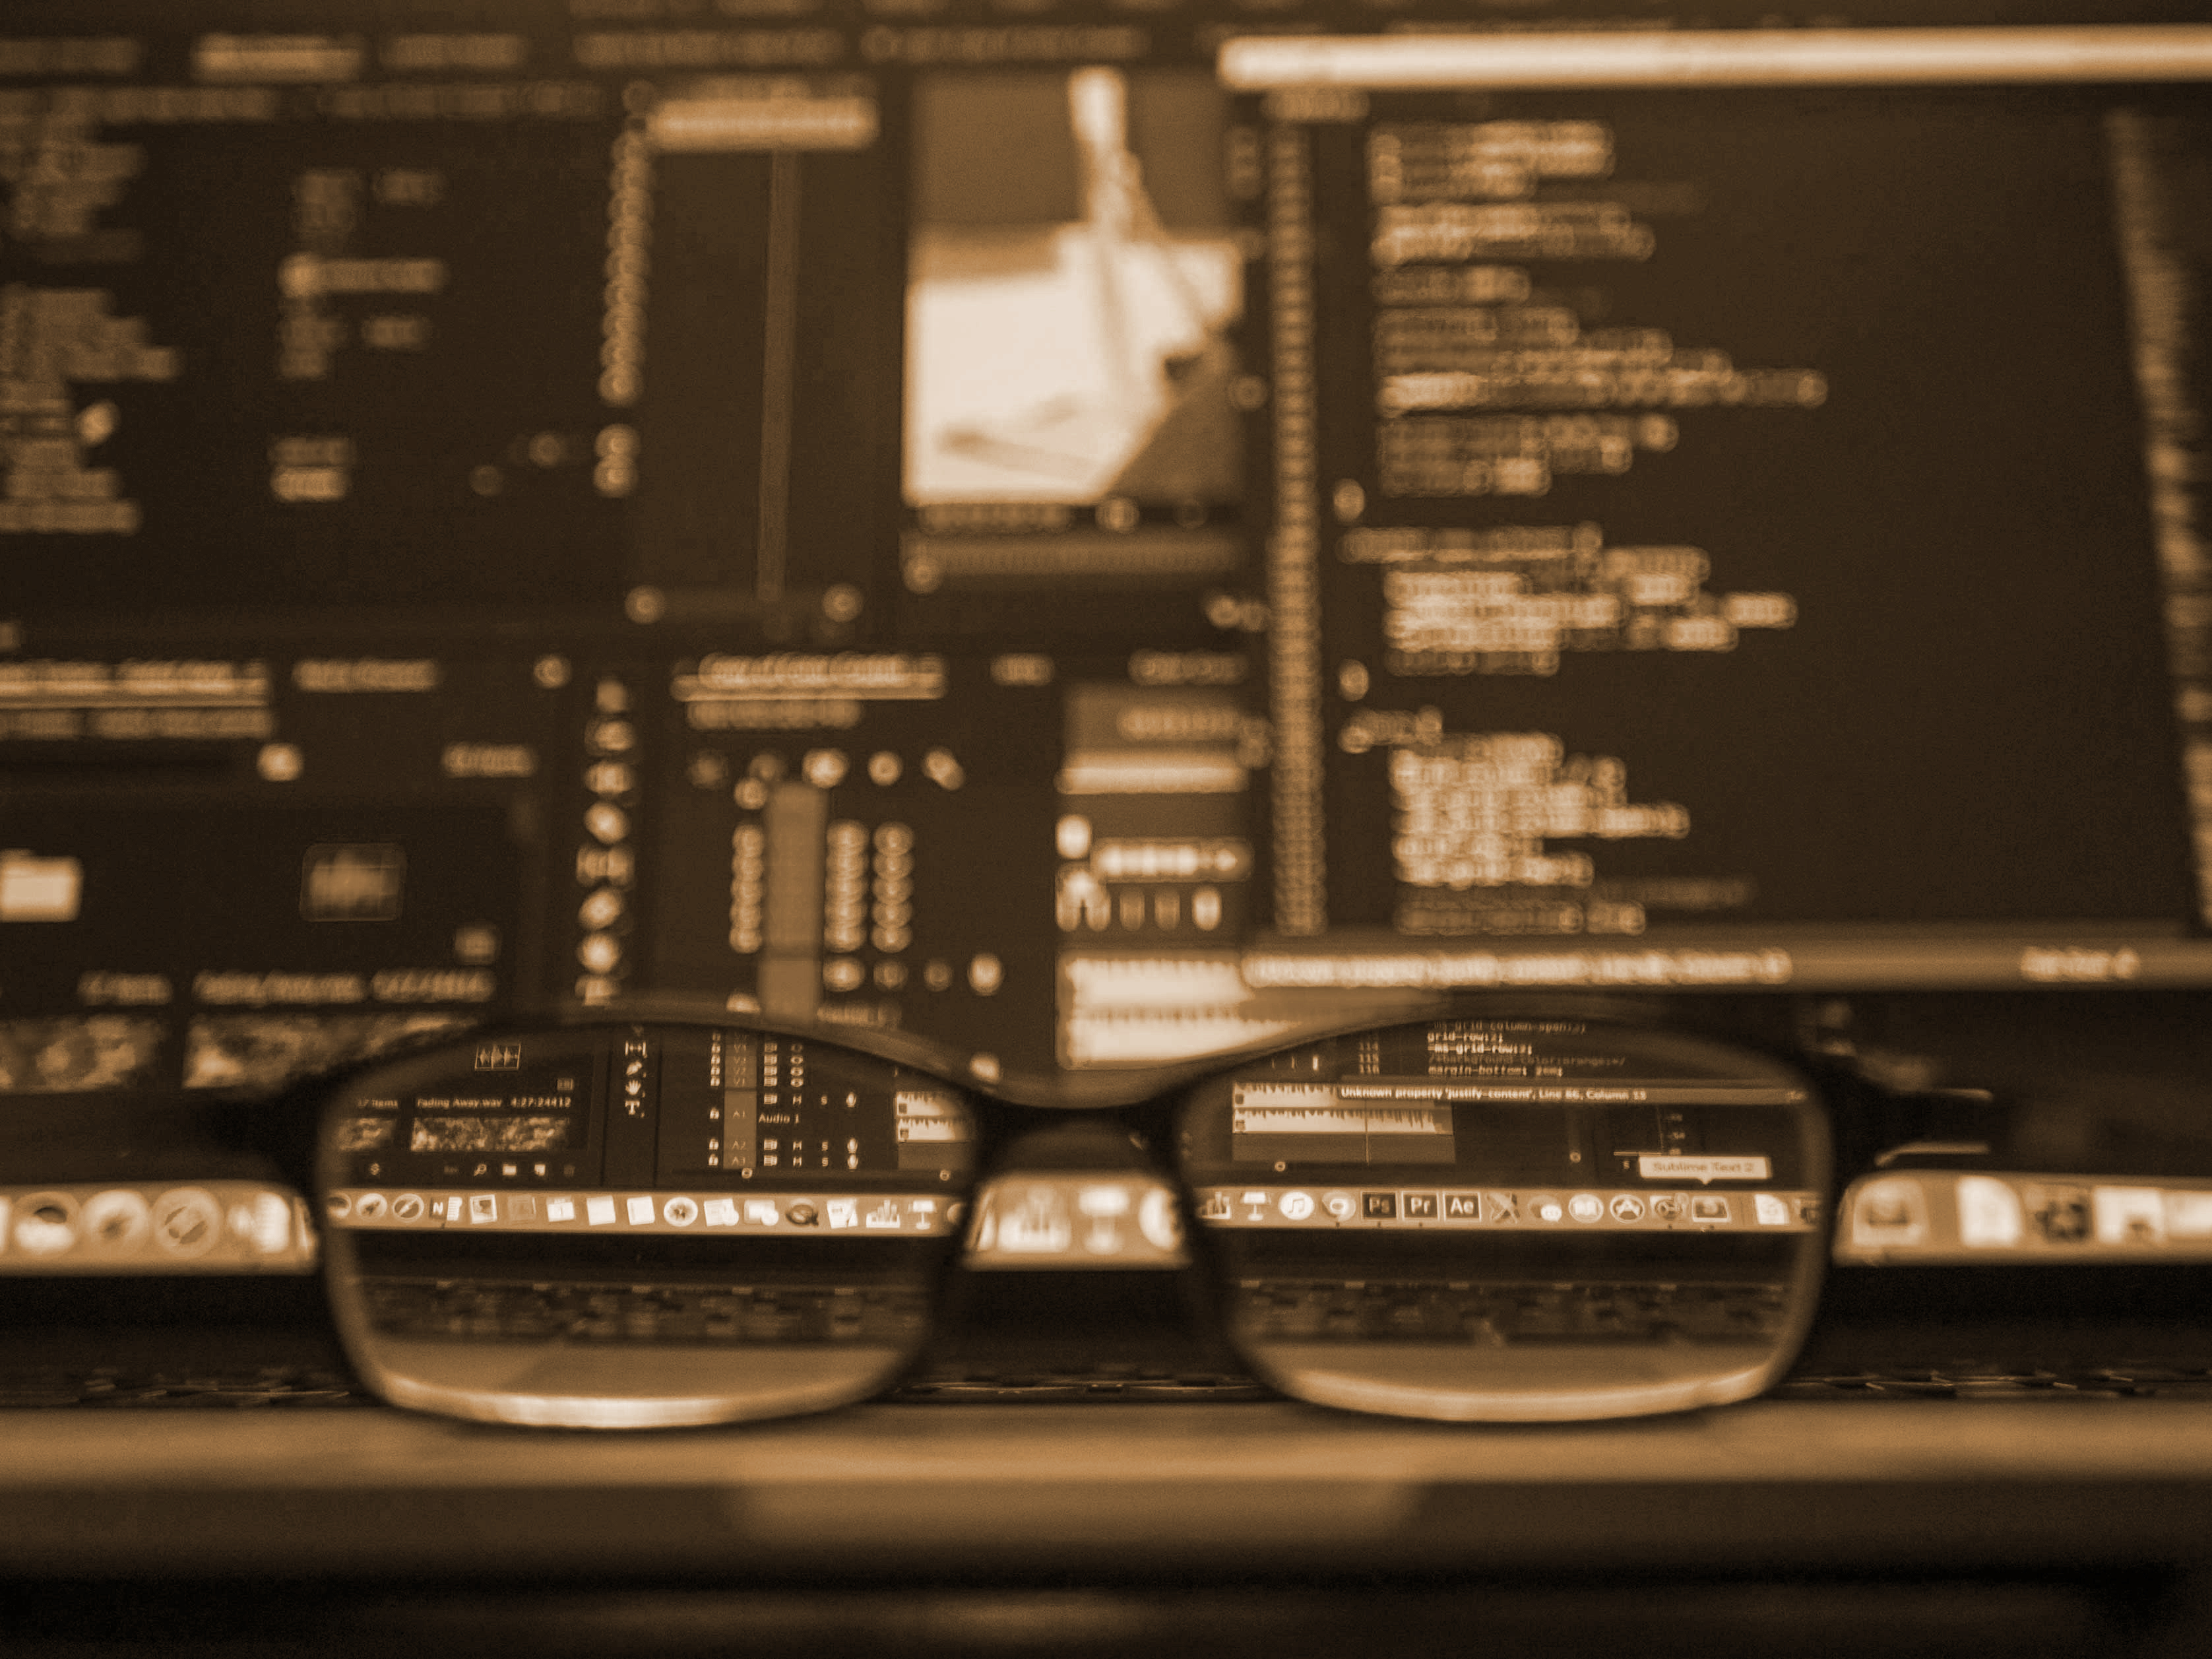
1513,1219
637,1226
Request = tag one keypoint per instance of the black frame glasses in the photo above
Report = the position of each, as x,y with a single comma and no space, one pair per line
1611,1293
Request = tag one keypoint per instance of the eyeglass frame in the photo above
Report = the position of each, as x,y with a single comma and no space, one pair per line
288,1131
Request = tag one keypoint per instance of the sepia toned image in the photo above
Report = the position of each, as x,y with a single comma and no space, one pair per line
925,828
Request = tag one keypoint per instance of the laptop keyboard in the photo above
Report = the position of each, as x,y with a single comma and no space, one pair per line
1425,1311
293,1387
1121,1366
1993,1382
739,1314
128,1387
1277,1309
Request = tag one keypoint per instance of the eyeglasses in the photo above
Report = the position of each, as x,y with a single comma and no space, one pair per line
1504,1215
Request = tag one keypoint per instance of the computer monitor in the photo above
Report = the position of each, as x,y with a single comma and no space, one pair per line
1093,539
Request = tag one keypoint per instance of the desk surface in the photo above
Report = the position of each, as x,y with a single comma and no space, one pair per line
916,1490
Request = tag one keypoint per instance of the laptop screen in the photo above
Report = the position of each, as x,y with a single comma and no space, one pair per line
1091,541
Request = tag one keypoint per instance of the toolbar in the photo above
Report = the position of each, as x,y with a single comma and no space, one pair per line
1603,1209
855,1214
202,1227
